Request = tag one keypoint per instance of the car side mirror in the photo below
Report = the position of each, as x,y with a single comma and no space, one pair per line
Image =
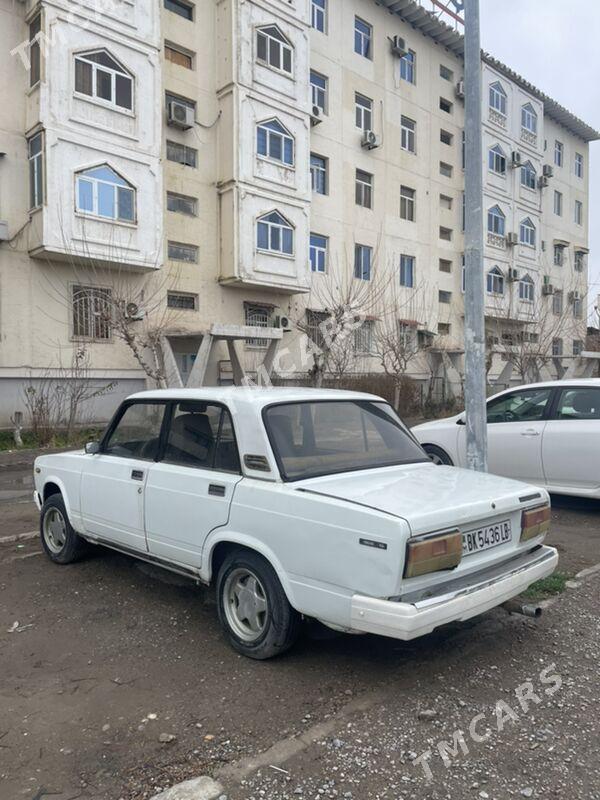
92,448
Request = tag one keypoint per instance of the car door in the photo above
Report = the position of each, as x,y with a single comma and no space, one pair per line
113,481
571,443
515,429
189,490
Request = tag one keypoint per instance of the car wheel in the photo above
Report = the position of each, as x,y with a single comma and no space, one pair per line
60,542
437,455
253,608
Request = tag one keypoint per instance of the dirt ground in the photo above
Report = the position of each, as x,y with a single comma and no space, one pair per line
110,656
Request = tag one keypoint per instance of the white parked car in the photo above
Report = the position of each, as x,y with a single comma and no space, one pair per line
296,502
543,433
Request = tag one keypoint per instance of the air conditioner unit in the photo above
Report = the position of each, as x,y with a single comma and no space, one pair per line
370,140
512,239
3,230
283,323
515,158
316,116
134,313
547,288
547,171
513,274
542,182
459,90
180,115
398,46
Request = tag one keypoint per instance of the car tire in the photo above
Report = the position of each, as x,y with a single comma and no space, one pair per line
61,543
253,609
437,455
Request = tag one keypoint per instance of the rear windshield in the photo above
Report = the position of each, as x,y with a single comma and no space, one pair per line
320,438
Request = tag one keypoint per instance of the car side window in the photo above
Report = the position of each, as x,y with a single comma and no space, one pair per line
579,403
201,435
137,432
527,405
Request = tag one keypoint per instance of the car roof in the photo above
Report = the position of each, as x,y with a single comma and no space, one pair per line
253,395
546,384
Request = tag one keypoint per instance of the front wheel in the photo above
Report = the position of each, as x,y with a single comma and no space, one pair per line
253,608
60,542
437,455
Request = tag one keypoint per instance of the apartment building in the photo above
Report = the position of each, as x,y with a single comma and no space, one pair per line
260,153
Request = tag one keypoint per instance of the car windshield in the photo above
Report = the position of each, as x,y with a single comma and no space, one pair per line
324,437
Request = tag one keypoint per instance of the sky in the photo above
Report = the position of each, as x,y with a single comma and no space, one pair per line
555,44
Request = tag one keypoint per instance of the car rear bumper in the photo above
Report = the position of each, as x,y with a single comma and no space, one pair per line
408,620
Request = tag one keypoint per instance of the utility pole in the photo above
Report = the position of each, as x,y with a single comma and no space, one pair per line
475,378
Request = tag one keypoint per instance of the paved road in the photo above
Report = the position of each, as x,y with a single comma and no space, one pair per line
109,654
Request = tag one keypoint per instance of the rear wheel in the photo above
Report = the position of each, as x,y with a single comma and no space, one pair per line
60,542
437,455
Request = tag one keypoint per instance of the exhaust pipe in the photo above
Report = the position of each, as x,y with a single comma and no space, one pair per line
527,609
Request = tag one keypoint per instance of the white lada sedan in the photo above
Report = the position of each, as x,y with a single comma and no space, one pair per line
296,502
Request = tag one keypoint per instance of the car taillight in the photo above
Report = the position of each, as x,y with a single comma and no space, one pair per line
433,553
535,522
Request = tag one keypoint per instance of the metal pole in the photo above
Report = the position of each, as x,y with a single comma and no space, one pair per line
475,396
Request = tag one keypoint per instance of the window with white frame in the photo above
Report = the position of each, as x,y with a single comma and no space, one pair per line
528,175
364,189
526,289
99,75
363,255
557,303
577,307
318,173
558,255
274,234
579,261
497,98
275,142
558,203
363,337
318,15
578,165
102,192
273,49
578,212
258,317
527,232
496,221
407,271
363,35
558,153
497,160
408,66
495,281
318,89
408,129
91,312
363,112
407,203
35,149
318,253
35,56
528,119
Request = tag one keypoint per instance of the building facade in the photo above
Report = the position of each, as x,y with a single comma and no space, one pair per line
241,164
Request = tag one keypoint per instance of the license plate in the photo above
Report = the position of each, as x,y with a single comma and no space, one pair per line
486,537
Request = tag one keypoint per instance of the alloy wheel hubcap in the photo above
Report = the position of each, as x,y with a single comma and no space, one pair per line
245,604
55,530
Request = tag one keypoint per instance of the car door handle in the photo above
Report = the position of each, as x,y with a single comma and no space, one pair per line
137,474
216,489
530,432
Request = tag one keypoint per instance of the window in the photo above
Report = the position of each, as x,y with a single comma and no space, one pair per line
364,189
558,203
496,221
526,289
407,271
182,154
35,32
445,202
579,262
578,165
528,175
558,153
578,212
275,142
273,49
316,326
137,432
557,303
577,351
527,232
445,265
318,88
362,262
178,55
182,301
577,308
582,402
444,297
558,255
35,147
495,281
201,435
408,67
443,329
407,203
557,347
185,10
318,17
526,405
275,234
318,173
445,105
528,119
98,75
497,160
363,337
363,111
258,317
363,34
445,169
446,73
177,251
91,312
318,253
445,137
101,192
446,234
182,204
407,134
463,274
463,149
497,98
